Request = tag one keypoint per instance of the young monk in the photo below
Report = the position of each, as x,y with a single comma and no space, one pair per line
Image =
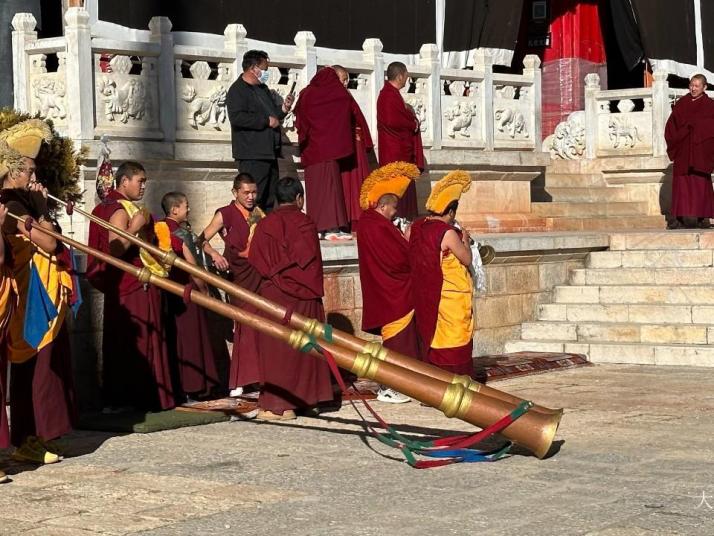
286,252
136,371
188,336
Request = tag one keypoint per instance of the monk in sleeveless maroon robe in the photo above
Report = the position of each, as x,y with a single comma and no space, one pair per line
286,252
689,134
427,262
385,277
325,120
399,139
187,331
136,370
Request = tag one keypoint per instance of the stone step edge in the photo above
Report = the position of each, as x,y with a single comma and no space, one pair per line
615,343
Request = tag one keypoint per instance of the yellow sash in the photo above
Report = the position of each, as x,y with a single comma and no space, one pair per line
57,283
147,260
8,298
395,328
455,322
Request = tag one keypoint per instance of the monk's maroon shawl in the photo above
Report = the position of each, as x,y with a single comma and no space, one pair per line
398,133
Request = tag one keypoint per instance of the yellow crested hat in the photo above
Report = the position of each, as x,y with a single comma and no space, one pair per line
26,137
389,179
448,189
9,159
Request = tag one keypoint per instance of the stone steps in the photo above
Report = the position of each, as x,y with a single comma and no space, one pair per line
610,194
611,223
586,209
504,223
625,353
649,299
604,332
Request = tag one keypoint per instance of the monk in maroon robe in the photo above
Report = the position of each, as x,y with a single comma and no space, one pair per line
325,117
399,133
236,223
286,252
136,371
690,144
188,336
6,307
354,168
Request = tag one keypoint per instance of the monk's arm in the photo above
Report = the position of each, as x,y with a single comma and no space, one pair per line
394,114
209,232
42,240
120,219
458,246
200,283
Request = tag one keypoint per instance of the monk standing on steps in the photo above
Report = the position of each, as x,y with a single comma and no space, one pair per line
690,145
136,371
42,400
188,336
286,252
236,223
442,286
398,132
384,270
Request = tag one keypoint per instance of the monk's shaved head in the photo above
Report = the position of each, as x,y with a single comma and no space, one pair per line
700,77
387,206
387,199
396,69
342,74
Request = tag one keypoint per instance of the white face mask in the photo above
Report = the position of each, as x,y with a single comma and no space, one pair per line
264,75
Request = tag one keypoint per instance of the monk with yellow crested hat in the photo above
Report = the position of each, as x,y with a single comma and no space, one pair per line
41,389
387,306
439,255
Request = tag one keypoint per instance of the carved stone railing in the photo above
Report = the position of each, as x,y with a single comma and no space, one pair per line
145,85
620,122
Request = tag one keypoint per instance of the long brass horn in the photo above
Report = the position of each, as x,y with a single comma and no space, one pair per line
533,431
310,325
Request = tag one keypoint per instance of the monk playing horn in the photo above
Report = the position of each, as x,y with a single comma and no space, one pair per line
442,287
384,271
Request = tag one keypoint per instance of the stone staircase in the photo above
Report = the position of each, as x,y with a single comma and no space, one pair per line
586,202
649,299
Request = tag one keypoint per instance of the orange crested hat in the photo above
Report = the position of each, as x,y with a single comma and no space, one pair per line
389,179
9,159
26,137
447,190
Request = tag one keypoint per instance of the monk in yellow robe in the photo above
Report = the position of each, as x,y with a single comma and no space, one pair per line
442,287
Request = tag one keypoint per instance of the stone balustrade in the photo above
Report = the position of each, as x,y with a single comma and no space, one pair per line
149,86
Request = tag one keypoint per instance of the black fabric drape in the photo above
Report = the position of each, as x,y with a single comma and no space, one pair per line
667,29
402,25
708,33
482,23
627,33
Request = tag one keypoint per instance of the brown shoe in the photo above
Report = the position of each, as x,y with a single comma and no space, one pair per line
265,415
705,223
3,477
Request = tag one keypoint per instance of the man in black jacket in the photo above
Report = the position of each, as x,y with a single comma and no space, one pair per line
255,125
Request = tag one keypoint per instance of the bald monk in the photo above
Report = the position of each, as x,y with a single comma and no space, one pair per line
286,252
384,270
42,399
236,224
689,134
399,133
188,336
354,168
442,287
324,122
136,372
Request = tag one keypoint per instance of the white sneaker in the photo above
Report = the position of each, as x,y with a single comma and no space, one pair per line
391,396
235,393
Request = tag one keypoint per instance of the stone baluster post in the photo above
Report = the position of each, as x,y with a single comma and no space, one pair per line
483,62
592,88
372,54
305,49
660,112
161,33
79,75
23,34
236,45
531,69
429,57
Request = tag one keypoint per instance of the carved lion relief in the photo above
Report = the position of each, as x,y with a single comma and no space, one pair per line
459,117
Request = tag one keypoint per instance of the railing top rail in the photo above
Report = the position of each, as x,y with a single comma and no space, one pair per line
100,44
512,79
205,54
47,45
632,93
462,74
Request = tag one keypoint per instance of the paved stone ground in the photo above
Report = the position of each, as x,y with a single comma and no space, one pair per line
636,459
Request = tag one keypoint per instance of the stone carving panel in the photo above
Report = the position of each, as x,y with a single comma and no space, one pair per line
201,102
511,121
459,119
126,102
48,90
512,111
568,140
621,133
625,133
